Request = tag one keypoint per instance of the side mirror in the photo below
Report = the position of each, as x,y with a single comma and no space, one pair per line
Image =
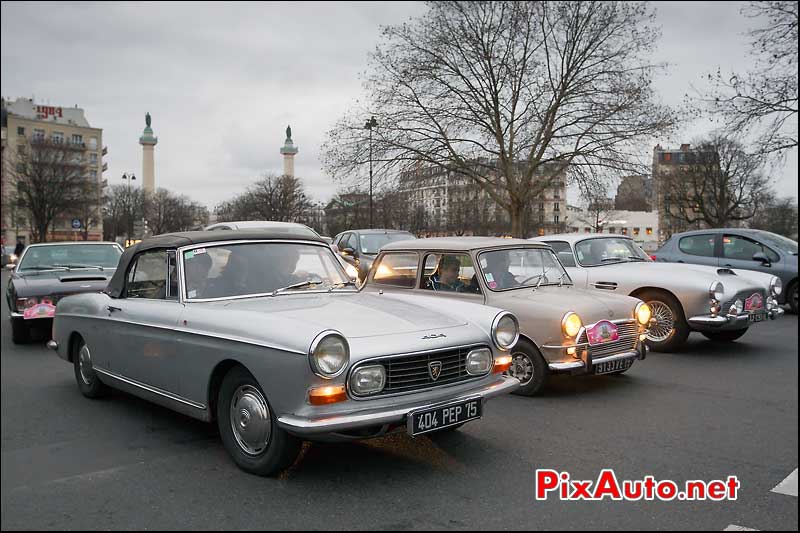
762,258
348,251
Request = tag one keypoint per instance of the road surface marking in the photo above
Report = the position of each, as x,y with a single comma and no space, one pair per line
787,486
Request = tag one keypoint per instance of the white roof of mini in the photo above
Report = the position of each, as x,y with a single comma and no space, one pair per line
456,243
572,238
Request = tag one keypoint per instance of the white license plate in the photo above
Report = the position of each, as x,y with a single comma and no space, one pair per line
757,316
452,414
613,366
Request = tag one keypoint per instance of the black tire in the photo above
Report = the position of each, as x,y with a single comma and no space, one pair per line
526,357
20,331
724,336
680,328
88,382
791,297
280,449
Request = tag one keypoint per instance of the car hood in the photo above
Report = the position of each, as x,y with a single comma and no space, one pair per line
353,314
670,274
552,302
60,282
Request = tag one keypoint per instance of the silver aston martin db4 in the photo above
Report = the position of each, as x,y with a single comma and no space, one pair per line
264,332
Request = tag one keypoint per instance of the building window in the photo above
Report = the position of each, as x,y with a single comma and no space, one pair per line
93,158
667,156
555,219
624,231
93,143
541,232
649,231
612,230
77,139
635,232
57,136
541,206
556,196
20,130
556,207
587,230
38,134
541,218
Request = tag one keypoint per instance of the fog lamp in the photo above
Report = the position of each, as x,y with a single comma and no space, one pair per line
479,362
368,380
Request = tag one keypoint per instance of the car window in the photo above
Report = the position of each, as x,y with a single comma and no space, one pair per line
521,267
702,245
564,252
147,278
371,243
74,256
399,269
601,251
450,273
742,248
347,241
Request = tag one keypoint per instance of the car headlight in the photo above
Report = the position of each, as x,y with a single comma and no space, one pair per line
25,303
368,380
717,291
571,324
329,354
479,362
776,285
643,313
736,308
505,330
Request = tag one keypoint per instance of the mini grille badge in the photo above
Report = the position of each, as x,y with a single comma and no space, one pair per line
435,369
434,336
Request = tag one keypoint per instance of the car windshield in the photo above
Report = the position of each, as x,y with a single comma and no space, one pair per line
70,256
603,251
515,268
779,241
251,269
372,242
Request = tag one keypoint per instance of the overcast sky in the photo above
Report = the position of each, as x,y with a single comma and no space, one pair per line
222,81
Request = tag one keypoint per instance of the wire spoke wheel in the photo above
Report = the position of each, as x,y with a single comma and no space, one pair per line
665,322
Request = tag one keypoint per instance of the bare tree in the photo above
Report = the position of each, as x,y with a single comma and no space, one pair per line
122,207
720,184
599,208
49,179
168,212
778,215
279,198
506,94
763,101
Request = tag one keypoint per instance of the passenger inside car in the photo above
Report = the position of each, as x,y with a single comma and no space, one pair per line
197,269
496,271
445,278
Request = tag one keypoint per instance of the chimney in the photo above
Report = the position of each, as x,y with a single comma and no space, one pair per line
685,147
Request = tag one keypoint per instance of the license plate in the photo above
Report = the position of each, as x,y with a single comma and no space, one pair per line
612,366
757,317
452,414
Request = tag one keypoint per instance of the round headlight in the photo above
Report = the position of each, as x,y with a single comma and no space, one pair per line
368,380
717,291
738,306
479,362
776,285
505,330
643,313
571,324
329,354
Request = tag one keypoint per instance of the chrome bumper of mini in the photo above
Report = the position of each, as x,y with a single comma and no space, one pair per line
310,427
730,321
579,364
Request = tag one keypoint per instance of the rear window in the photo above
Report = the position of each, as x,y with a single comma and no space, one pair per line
563,252
702,245
398,269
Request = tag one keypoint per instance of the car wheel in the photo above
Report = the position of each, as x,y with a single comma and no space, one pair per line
20,331
791,297
671,329
88,382
249,428
529,367
724,336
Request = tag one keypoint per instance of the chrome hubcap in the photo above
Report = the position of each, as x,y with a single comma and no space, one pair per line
521,368
250,420
85,365
665,321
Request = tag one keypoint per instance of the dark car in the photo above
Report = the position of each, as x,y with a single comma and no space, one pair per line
746,249
45,273
360,247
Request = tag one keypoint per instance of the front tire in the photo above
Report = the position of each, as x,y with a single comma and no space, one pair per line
791,297
249,429
724,336
88,382
529,367
20,331
671,329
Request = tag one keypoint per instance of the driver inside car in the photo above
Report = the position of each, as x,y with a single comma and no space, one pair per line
197,269
445,278
496,271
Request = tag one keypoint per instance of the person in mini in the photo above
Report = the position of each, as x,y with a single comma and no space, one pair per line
496,271
445,278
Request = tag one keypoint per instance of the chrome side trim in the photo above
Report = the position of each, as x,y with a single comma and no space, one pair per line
152,390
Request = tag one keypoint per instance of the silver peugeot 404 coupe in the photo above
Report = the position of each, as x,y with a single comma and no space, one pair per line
720,303
563,328
263,332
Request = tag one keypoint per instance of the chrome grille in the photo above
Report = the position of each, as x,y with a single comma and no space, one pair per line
628,335
408,373
743,295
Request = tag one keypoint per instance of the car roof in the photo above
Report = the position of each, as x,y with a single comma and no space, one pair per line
188,238
746,231
572,238
257,224
70,243
376,230
458,243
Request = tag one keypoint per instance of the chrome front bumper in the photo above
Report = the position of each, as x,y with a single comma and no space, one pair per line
347,422
585,364
739,321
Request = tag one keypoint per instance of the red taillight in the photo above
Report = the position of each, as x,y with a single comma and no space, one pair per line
652,257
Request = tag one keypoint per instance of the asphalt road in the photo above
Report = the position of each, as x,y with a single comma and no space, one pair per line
706,413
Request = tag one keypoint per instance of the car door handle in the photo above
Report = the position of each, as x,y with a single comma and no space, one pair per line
728,265
111,308
680,261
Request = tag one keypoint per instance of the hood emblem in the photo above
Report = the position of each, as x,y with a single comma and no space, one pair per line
434,336
756,301
603,331
435,369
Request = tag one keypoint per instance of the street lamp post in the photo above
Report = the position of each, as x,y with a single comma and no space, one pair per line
370,125
129,229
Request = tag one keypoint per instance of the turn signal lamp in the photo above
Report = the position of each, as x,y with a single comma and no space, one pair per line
502,364
327,395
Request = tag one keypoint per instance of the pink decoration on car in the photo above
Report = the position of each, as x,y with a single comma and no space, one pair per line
603,331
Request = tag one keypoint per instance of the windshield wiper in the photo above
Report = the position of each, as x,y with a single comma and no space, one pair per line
636,258
561,278
296,286
612,259
69,267
46,267
342,284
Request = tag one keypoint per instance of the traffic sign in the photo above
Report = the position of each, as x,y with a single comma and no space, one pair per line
76,223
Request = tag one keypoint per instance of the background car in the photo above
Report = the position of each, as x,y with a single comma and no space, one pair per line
9,258
736,248
47,272
360,247
718,302
268,337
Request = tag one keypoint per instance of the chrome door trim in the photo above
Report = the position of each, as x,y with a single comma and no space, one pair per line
150,389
